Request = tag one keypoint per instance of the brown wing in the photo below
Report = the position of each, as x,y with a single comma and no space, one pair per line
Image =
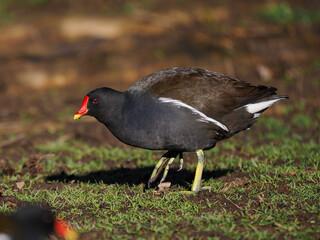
209,92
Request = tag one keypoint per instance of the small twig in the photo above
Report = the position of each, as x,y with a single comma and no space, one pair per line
319,134
281,226
43,157
263,201
64,138
229,67
12,141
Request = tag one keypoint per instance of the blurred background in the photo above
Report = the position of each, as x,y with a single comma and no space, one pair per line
53,52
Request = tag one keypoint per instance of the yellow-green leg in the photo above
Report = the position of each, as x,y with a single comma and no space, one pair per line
156,171
166,170
164,162
196,186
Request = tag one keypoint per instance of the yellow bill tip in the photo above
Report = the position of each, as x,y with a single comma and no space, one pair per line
64,230
72,235
77,116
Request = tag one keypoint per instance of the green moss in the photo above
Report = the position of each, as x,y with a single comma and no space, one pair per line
283,13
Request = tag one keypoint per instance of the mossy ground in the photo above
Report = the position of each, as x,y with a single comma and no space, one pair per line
265,182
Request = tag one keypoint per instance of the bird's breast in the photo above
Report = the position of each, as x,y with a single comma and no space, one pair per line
155,124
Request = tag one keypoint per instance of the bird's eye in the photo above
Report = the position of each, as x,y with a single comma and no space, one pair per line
95,100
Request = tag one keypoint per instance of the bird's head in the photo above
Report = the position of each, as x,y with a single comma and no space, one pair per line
91,103
95,103
34,222
64,230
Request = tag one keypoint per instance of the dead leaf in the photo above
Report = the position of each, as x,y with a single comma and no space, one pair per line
237,182
280,226
260,199
156,193
20,185
292,174
164,185
63,139
226,188
34,164
6,167
12,141
263,201
264,72
11,204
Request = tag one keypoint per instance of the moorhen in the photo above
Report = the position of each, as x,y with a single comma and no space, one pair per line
32,222
179,110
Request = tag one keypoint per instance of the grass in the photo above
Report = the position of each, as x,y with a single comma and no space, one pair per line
284,14
279,200
265,182
6,5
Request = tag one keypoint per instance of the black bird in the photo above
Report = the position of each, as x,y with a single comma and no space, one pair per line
179,110
33,223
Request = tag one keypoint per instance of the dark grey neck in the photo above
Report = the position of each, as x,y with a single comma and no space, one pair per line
125,113
112,108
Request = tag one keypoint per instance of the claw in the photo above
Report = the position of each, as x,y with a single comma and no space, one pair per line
166,170
165,162
157,169
206,188
188,192
181,163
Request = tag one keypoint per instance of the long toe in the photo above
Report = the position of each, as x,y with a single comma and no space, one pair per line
188,192
206,188
157,169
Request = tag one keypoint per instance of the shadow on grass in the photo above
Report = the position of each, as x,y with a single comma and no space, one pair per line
136,176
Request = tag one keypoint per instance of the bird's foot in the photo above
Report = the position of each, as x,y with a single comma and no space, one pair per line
180,165
166,170
188,192
156,171
206,188
149,182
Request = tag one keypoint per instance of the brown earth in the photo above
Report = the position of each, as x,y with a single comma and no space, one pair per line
50,57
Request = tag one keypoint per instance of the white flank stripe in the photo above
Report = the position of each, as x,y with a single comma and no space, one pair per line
256,115
4,236
203,117
257,107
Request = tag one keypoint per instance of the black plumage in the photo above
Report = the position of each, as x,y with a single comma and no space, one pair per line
32,222
179,109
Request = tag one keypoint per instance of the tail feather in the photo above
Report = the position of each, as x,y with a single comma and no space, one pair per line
259,107
245,116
